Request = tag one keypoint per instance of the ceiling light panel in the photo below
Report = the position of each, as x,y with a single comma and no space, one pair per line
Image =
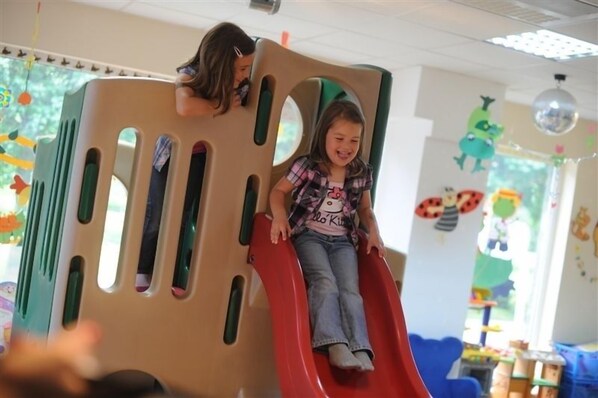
547,44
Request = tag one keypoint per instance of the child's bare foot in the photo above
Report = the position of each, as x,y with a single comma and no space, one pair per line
340,356
366,362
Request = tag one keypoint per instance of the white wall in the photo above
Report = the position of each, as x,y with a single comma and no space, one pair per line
98,34
399,171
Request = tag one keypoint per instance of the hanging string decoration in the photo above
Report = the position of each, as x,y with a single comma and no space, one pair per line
554,191
558,148
559,156
25,97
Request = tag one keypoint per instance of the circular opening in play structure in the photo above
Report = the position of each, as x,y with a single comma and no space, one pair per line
290,130
129,383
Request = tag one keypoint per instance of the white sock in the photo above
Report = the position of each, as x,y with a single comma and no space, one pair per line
143,280
340,356
366,362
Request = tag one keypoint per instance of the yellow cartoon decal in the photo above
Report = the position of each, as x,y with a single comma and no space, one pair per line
582,220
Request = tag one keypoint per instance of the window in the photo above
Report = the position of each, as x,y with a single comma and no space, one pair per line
20,126
289,132
510,259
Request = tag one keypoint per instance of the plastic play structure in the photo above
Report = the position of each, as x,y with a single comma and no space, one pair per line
239,325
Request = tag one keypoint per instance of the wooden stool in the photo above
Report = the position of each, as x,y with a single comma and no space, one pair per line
514,377
519,387
509,384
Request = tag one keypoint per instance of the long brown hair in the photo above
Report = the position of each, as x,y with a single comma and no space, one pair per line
215,63
337,109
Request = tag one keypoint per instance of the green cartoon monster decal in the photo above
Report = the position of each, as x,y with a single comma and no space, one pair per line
480,138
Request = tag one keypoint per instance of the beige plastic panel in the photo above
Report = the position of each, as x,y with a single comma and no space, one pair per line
179,341
307,98
396,263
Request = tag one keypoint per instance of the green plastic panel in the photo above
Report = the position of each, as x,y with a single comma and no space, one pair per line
380,124
45,224
88,189
330,91
234,309
264,109
249,206
73,292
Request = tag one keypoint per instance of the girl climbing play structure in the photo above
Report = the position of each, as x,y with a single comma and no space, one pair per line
237,324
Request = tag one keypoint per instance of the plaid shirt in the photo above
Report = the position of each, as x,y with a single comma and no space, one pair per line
310,190
164,145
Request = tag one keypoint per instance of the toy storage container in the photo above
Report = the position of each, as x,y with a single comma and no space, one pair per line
581,365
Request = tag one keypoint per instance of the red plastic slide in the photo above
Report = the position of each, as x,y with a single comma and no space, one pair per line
305,373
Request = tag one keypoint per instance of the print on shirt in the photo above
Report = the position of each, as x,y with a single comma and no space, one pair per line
330,213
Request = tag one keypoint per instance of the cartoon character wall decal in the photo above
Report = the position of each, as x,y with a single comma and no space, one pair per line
12,227
5,96
19,140
578,225
581,266
12,224
481,136
494,264
448,207
505,204
22,190
493,273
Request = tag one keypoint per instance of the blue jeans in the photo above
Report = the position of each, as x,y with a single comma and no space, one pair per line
329,265
155,202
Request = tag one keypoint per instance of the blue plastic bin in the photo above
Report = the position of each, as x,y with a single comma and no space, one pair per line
577,389
581,365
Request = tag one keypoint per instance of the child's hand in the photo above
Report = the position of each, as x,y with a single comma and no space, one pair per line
60,369
240,95
280,227
236,100
374,240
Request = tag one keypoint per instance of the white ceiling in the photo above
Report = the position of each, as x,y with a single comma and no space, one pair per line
396,34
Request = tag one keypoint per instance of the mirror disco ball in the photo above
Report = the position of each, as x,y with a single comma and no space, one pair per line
555,112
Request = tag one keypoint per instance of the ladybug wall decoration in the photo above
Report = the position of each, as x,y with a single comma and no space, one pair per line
448,207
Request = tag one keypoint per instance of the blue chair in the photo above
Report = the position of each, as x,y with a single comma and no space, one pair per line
434,360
